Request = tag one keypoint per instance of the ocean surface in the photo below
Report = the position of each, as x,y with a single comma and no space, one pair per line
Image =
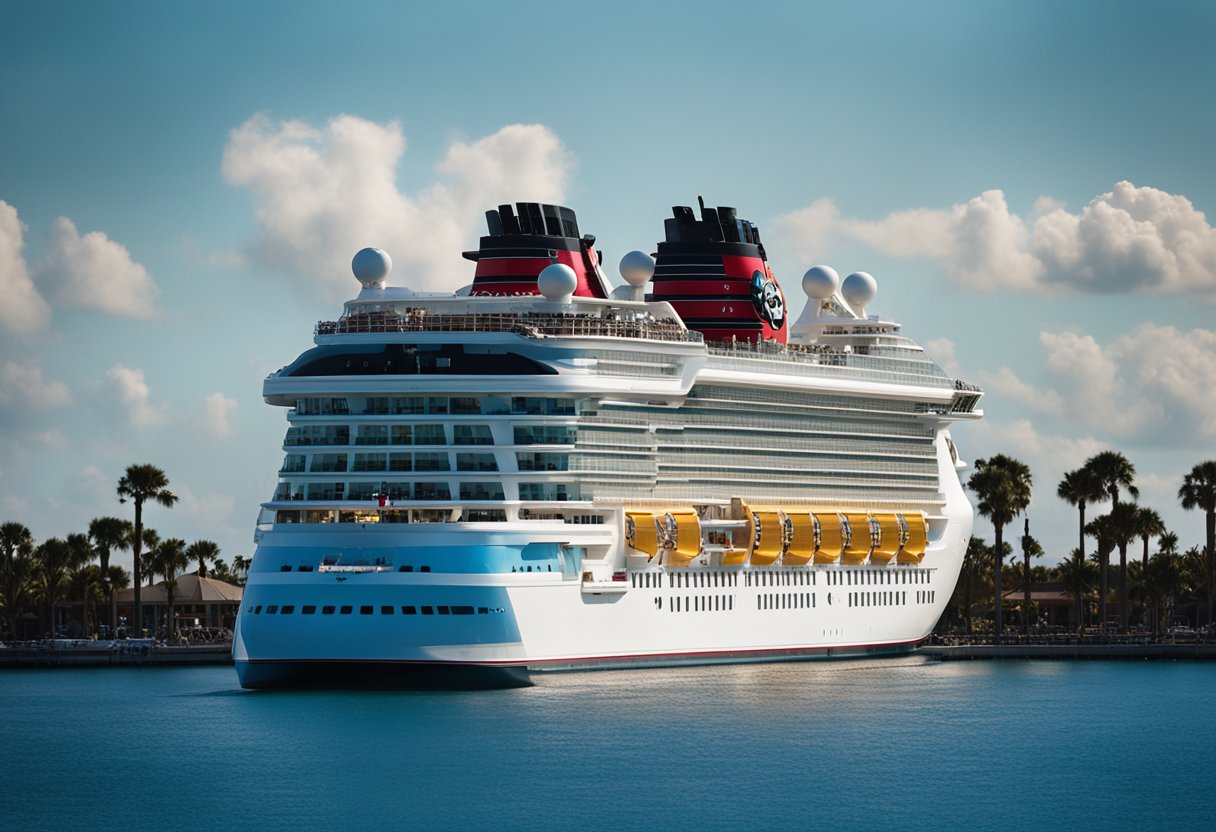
898,743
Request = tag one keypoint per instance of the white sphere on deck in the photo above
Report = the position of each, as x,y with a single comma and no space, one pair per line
859,288
637,267
557,281
371,266
820,282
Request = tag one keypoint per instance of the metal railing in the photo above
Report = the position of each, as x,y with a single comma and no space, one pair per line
527,324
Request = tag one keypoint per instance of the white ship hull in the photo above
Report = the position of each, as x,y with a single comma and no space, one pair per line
493,483
512,624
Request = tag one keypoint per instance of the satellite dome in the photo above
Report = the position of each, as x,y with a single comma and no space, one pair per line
557,281
371,266
859,289
637,267
820,282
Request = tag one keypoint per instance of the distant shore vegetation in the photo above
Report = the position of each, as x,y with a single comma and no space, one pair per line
1151,590
67,586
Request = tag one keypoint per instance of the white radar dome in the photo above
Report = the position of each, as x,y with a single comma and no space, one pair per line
859,288
557,281
820,282
371,266
637,267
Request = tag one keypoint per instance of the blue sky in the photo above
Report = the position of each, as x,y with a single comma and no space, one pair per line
182,186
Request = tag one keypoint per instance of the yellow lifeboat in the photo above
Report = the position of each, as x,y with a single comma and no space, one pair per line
892,533
768,537
858,540
642,532
917,539
831,537
804,530
684,530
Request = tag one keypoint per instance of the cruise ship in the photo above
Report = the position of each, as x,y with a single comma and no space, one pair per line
543,472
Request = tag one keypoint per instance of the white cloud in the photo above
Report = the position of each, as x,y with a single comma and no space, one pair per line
1130,239
805,233
215,416
94,272
131,391
1044,452
942,351
322,193
53,439
1156,383
28,385
212,510
23,310
1006,382
91,482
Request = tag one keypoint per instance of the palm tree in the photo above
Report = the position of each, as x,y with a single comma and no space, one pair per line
203,551
975,563
139,484
1124,517
86,583
1199,491
116,578
1113,471
151,540
240,568
108,534
168,560
1002,485
1077,576
16,566
1102,530
1030,549
81,554
51,561
1148,524
1080,488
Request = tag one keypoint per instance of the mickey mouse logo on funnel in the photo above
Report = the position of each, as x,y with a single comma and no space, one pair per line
767,299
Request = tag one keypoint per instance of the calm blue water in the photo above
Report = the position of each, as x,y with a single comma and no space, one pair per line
849,745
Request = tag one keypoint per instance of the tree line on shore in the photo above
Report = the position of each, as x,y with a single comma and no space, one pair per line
1157,589
37,578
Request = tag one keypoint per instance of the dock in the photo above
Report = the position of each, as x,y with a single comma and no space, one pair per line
1151,651
133,653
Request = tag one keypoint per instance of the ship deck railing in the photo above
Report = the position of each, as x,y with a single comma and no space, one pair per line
355,567
815,359
527,324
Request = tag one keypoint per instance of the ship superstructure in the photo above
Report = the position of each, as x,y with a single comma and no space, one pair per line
539,472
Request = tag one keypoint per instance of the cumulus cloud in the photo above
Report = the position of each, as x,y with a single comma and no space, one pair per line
210,510
131,391
322,193
1130,239
94,272
1156,382
942,351
215,416
1047,454
23,309
27,385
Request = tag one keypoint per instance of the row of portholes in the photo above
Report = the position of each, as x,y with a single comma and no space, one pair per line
881,599
697,603
871,577
785,601
370,609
